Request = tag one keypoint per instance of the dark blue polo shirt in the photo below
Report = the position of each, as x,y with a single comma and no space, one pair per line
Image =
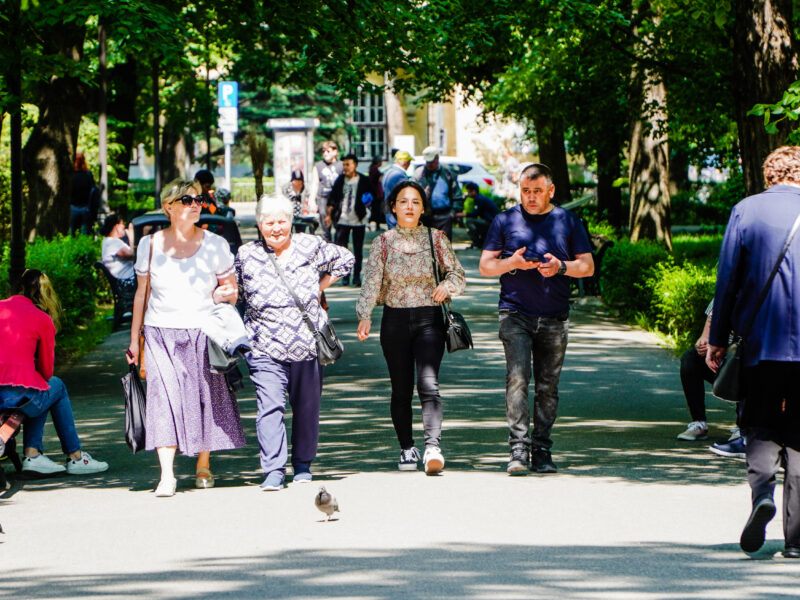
558,232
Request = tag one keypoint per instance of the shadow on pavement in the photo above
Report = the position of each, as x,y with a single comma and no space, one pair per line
509,572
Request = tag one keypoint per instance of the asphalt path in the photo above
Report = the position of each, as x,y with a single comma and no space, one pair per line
631,514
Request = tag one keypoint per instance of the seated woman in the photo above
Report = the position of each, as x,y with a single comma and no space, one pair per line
303,210
284,354
28,324
116,254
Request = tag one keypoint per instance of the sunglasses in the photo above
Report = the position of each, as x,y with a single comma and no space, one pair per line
189,200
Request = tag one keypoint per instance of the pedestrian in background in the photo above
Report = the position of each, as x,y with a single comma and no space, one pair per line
400,276
394,175
283,358
770,419
83,188
189,408
442,189
323,174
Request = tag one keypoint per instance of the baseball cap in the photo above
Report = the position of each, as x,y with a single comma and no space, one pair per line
402,156
430,153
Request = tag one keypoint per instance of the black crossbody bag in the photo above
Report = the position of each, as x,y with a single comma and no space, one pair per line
458,335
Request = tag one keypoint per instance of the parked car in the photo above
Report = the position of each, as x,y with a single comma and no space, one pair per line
465,170
153,221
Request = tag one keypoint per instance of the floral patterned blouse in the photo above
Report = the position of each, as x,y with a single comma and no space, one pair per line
399,271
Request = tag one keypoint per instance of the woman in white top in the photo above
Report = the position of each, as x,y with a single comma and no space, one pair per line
188,408
116,255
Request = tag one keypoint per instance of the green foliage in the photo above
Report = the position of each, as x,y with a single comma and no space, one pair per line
680,295
700,249
69,263
787,108
725,195
627,267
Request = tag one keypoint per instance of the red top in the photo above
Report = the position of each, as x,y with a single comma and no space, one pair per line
27,344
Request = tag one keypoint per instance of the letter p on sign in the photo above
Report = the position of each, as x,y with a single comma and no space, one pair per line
228,94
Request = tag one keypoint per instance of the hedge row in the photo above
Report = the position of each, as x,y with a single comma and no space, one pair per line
69,263
662,291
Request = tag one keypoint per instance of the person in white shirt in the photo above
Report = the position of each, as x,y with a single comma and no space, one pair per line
189,408
117,254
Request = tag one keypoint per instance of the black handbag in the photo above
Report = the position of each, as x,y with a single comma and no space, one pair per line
134,409
458,335
728,383
329,346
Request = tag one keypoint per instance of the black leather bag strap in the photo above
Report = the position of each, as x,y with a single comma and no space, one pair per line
768,285
297,300
444,305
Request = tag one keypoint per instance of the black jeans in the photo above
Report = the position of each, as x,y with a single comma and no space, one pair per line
414,338
542,341
694,371
342,237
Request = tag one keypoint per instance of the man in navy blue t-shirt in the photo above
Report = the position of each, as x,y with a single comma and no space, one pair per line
534,247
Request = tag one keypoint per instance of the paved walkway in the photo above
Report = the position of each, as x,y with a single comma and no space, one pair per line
631,514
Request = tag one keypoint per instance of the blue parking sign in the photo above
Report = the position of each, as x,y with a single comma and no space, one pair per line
228,94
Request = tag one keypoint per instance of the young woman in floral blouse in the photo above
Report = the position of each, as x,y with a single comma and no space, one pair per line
399,274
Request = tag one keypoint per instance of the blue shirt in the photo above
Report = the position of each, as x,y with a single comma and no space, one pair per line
391,178
558,232
484,208
754,238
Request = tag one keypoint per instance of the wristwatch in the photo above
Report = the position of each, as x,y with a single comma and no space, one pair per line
563,268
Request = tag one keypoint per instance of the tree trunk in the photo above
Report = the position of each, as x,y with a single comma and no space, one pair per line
609,169
766,63
649,166
553,153
125,88
49,153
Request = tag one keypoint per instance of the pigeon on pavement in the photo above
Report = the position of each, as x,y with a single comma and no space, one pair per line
325,501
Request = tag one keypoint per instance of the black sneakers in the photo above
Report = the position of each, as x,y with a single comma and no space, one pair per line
542,461
755,530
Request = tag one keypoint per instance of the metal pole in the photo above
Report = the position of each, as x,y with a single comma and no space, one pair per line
17,254
156,145
228,167
102,119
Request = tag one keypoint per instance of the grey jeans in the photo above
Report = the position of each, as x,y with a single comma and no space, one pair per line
543,342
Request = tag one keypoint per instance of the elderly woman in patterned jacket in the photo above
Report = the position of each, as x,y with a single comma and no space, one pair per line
284,353
400,275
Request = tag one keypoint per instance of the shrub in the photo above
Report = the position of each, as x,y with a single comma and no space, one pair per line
725,195
680,295
626,270
69,263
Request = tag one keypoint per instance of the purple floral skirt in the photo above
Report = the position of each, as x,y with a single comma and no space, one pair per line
187,405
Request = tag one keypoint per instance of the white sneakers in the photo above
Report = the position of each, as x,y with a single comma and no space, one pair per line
42,465
696,430
433,460
86,465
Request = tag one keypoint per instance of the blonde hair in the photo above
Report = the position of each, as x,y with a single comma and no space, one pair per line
36,286
271,205
782,166
177,188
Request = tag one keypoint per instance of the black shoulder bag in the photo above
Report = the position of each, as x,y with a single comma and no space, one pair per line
728,384
458,335
329,346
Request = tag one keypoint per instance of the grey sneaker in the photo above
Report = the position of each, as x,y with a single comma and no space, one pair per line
518,463
696,430
408,459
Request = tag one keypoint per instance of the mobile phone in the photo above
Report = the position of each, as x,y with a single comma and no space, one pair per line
532,256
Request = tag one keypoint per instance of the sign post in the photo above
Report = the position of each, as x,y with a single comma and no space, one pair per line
228,100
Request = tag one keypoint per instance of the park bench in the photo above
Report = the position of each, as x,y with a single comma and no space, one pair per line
123,298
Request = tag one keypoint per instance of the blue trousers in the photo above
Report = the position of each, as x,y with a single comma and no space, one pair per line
56,401
302,381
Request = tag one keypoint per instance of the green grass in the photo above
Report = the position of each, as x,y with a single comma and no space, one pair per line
83,339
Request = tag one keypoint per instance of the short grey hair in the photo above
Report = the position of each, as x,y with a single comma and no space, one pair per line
273,205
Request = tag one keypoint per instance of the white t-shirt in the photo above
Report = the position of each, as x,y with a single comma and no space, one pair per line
348,215
181,288
119,267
